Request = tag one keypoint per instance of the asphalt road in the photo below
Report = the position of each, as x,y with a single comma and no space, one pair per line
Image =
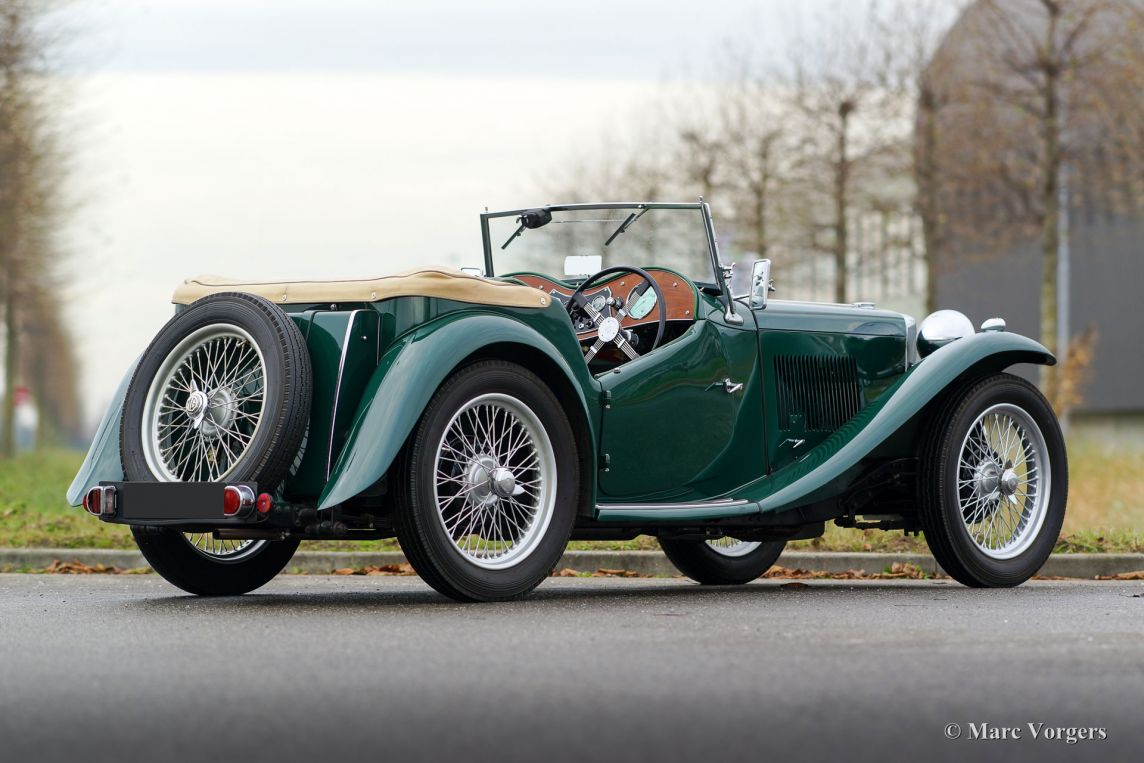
315,668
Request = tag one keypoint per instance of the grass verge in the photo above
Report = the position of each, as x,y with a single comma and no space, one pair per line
1105,513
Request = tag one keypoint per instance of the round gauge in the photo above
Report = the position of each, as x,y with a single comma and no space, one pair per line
639,305
599,301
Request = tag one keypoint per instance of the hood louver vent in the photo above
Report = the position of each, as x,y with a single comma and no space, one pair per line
824,391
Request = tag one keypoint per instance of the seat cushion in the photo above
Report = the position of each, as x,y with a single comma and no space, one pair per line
441,282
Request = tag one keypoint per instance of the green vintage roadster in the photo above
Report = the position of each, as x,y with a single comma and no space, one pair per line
486,418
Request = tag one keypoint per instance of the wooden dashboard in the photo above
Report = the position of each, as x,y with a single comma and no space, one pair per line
679,296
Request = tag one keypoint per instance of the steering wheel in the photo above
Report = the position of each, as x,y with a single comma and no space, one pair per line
608,327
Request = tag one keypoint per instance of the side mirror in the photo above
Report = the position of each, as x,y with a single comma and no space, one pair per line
760,283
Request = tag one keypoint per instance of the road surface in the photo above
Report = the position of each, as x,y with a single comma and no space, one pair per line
124,668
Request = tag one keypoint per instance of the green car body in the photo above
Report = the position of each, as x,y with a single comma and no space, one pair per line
777,414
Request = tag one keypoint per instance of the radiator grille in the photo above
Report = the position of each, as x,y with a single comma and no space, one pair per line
822,390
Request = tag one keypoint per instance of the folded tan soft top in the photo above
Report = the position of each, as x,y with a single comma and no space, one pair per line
441,282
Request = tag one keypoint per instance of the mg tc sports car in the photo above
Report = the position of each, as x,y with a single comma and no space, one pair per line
598,379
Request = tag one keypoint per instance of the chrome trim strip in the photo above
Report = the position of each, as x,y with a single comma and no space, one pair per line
722,503
338,389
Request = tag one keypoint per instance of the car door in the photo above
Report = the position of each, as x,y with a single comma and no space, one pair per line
685,421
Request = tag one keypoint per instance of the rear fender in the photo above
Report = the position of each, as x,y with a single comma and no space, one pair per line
828,469
103,462
409,374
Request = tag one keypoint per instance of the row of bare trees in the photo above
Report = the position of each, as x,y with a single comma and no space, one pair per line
883,144
37,348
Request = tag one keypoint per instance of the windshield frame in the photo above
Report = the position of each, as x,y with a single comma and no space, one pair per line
701,206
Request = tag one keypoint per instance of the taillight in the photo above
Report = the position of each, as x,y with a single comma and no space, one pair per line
265,503
100,501
237,500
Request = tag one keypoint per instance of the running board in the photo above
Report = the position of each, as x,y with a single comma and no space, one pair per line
675,512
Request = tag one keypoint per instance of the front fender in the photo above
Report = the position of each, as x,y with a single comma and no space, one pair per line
827,470
406,379
103,462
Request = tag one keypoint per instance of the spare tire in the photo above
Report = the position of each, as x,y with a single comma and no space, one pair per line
222,394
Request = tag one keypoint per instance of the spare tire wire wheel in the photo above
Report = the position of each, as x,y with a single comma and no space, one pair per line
205,406
222,395
201,414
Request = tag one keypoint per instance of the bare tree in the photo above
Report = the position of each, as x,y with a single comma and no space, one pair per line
1035,57
30,170
913,31
850,118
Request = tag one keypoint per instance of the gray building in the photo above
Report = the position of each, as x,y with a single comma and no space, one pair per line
990,260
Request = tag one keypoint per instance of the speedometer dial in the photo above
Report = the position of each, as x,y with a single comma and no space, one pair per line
639,305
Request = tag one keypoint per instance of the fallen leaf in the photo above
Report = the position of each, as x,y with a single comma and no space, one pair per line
79,568
903,570
606,573
1134,575
374,569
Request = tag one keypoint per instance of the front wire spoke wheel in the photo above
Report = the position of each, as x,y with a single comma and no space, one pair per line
495,481
1003,481
732,547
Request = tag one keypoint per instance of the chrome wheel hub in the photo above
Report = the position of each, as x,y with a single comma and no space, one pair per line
988,477
1003,481
479,479
495,481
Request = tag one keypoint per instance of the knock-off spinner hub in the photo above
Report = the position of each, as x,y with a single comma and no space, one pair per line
1009,482
196,404
504,482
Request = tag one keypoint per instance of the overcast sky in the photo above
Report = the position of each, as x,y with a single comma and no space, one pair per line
581,39
339,138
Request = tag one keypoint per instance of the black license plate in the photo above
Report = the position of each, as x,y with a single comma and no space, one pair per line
171,503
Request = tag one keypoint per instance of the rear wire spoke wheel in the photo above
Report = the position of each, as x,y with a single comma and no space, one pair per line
219,549
993,483
494,474
495,487
222,394
721,561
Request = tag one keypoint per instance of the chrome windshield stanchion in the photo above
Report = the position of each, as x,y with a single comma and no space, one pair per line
722,273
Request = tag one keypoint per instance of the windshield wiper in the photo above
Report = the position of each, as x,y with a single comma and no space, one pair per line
531,219
513,236
625,225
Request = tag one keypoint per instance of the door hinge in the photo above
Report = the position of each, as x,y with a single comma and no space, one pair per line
605,462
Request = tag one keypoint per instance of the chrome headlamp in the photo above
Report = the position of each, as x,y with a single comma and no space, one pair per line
941,328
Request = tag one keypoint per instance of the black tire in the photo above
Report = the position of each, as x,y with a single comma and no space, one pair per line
431,550
171,555
266,459
939,506
705,565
